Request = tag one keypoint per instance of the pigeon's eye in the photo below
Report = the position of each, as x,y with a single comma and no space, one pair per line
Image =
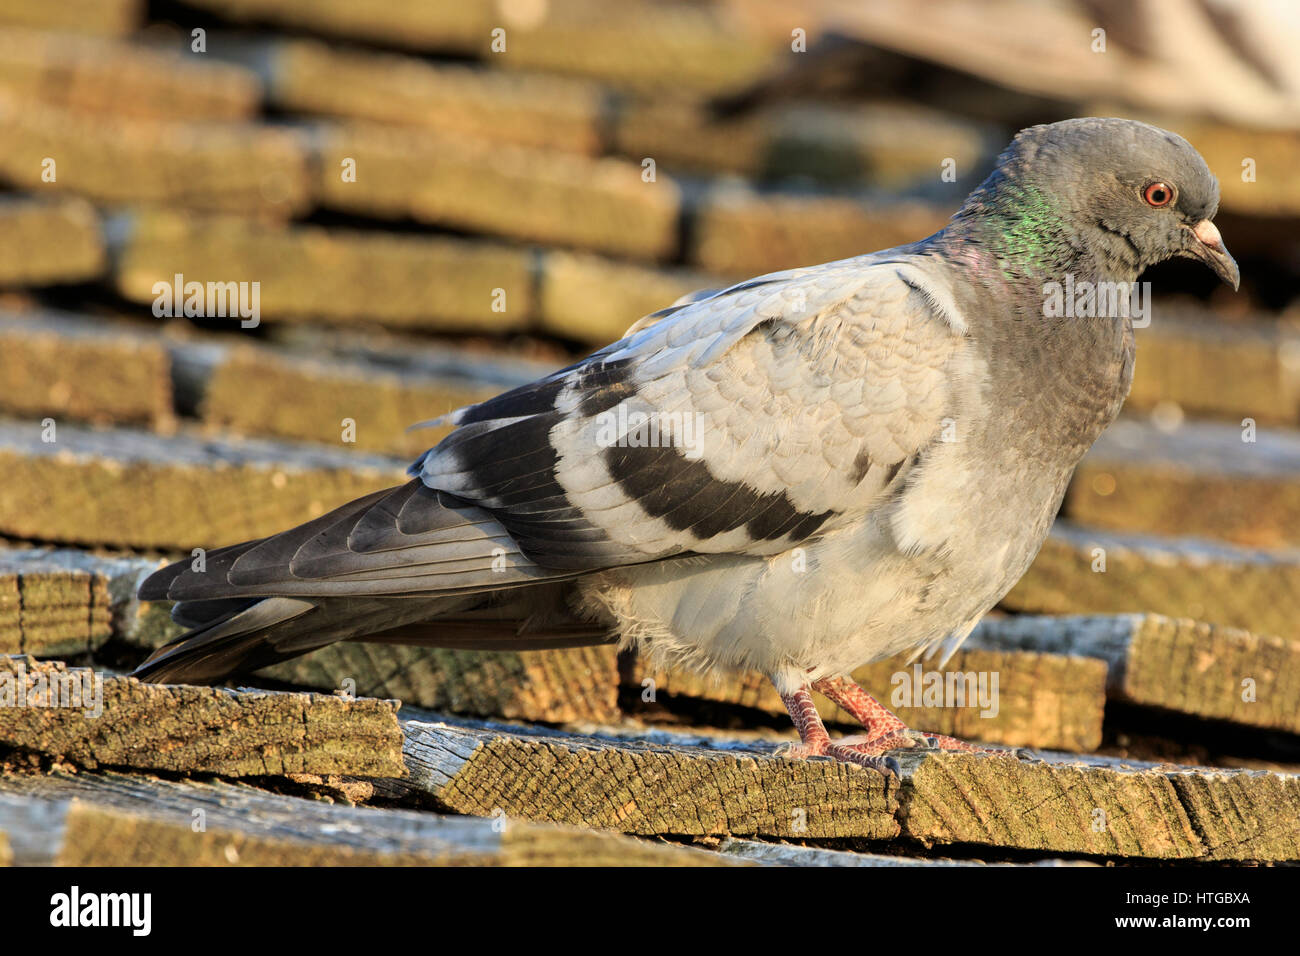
1158,194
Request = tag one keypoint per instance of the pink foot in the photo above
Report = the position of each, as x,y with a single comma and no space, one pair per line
885,732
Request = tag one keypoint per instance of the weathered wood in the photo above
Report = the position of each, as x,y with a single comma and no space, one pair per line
93,486
312,274
642,787
793,854
64,603
1225,144
97,720
1040,699
1099,807
640,45
254,390
412,24
1201,479
1219,583
111,819
593,299
737,232
892,146
247,168
1207,670
556,686
95,74
48,241
519,109
1242,814
57,364
105,17
1254,366
602,204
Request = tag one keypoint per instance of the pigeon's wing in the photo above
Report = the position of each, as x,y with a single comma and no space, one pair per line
744,421
408,540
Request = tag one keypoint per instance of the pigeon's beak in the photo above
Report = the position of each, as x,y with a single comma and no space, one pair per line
1209,248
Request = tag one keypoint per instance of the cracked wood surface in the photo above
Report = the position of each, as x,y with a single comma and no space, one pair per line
1200,480
192,729
63,603
118,820
1091,571
641,787
201,493
1100,807
1221,673
652,783
554,686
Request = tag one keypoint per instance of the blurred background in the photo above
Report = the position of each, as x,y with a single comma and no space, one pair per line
438,200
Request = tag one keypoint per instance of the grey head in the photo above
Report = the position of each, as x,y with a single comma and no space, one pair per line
1112,195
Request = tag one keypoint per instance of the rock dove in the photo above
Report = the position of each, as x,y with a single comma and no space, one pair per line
796,475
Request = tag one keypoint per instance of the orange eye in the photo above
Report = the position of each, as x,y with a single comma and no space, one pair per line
1158,194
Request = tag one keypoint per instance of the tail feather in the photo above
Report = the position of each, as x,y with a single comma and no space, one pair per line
237,641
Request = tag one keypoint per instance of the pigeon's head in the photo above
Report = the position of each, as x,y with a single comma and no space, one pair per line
1132,194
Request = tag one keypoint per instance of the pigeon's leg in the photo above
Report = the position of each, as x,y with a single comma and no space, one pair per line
815,742
884,730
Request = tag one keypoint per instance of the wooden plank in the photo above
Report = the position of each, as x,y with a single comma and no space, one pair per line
308,273
534,110
1225,145
462,27
104,17
887,145
246,168
1089,571
65,603
1039,699
642,787
134,489
96,720
639,45
541,196
254,390
1254,365
49,241
62,365
554,686
1200,479
594,299
1207,670
738,232
1100,807
650,783
94,74
110,819
794,854
1242,814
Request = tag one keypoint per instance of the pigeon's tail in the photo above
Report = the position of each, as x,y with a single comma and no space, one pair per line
269,630
404,565
234,641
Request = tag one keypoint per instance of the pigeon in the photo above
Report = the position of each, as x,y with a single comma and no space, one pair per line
796,475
